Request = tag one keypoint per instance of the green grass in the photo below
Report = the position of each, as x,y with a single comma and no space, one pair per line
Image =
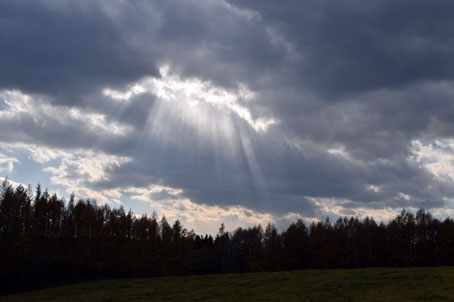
376,284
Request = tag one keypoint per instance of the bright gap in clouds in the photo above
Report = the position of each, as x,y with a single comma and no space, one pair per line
194,92
216,118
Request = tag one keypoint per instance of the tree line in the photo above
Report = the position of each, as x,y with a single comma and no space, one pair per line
44,239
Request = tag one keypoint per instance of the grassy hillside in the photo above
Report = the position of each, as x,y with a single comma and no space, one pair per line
389,284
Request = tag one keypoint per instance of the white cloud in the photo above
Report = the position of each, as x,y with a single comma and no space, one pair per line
77,170
437,157
334,207
373,188
203,218
15,184
124,95
7,163
144,193
403,196
42,154
45,115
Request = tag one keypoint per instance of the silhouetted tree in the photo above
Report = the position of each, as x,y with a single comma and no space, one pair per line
44,238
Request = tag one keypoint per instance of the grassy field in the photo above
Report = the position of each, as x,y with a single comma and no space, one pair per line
388,284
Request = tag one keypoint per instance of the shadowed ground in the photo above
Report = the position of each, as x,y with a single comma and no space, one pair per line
376,284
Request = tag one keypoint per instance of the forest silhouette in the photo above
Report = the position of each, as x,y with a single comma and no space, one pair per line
45,239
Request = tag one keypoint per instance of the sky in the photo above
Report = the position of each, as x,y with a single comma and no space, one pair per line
239,112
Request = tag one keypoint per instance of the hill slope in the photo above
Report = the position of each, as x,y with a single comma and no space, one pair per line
382,284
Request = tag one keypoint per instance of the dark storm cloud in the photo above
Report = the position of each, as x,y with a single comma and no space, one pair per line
351,46
360,79
65,48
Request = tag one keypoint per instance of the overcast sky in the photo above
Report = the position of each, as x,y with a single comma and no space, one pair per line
236,111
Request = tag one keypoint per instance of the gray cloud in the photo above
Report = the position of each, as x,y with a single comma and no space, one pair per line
65,49
350,46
